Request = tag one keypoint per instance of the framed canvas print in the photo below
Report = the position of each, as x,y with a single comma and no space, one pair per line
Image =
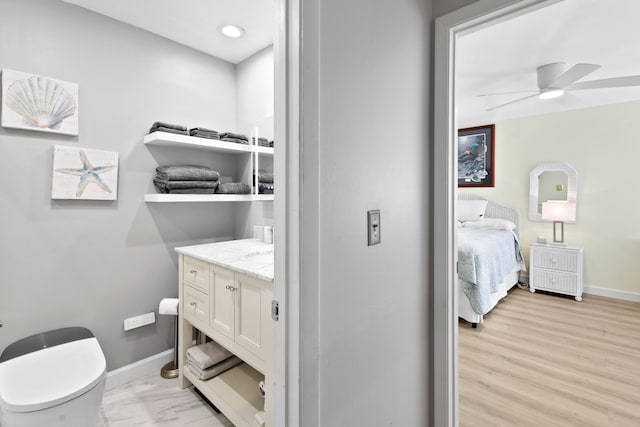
39,103
475,156
84,174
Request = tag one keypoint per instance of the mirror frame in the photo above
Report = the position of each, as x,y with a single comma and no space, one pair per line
572,186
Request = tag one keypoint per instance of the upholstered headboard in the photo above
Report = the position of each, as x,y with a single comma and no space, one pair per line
495,210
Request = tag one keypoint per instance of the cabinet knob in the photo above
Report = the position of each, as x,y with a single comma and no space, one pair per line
192,271
192,303
231,288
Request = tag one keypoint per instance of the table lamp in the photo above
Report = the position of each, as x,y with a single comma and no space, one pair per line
558,211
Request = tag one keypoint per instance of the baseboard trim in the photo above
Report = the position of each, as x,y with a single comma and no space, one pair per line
612,293
138,369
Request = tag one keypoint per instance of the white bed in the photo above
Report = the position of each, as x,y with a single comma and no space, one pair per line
465,310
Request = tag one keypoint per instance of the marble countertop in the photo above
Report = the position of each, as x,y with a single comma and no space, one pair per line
249,256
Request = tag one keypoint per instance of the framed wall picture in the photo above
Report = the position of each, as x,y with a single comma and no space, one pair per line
475,156
83,174
39,103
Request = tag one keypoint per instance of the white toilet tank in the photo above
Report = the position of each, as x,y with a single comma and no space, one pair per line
52,379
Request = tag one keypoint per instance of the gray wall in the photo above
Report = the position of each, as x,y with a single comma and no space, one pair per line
374,153
442,7
96,263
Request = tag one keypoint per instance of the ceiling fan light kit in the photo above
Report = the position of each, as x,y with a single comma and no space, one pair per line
551,93
555,79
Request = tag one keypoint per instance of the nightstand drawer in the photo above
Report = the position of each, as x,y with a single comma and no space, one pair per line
554,281
555,260
196,305
196,273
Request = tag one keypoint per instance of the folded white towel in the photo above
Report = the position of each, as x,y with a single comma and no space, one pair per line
208,354
217,369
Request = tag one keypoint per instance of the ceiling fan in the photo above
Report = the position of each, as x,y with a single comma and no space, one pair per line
554,80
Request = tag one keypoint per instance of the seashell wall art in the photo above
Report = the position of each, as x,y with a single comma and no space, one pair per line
39,103
80,173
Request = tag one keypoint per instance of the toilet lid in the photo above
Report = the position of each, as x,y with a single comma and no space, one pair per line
51,376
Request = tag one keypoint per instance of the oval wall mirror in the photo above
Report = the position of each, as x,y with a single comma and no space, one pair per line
551,181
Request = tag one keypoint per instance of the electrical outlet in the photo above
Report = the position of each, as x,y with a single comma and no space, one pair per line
138,321
373,226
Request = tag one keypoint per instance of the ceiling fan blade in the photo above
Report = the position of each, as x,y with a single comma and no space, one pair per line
512,102
606,83
508,93
574,73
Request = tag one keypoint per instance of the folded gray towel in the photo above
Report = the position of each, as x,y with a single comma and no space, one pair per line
171,187
185,184
170,130
205,374
236,140
191,191
186,173
207,135
208,354
234,188
204,130
265,177
234,136
168,126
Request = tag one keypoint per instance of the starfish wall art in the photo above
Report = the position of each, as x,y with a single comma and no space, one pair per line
84,174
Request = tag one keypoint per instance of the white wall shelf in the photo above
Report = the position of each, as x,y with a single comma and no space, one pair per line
182,198
166,139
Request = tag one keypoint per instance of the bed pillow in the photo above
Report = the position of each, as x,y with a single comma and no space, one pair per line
492,223
471,210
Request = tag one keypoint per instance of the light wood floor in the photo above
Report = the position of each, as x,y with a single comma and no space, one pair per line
547,360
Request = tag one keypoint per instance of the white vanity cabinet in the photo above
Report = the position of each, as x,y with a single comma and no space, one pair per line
233,309
556,268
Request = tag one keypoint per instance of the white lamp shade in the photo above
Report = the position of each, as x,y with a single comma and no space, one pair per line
558,210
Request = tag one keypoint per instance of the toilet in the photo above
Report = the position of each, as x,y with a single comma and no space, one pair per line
52,379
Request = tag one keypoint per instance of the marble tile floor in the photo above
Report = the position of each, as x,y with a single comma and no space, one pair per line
156,401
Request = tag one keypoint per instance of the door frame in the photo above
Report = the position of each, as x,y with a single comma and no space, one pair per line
448,28
286,286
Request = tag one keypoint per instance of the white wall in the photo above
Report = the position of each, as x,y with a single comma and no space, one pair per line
255,92
90,263
374,153
601,144
254,109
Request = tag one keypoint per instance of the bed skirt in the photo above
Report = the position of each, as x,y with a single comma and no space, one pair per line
464,306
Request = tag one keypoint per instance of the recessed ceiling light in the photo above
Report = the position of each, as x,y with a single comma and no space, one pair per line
232,31
552,93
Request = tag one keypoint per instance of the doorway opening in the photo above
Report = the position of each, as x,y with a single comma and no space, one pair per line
469,19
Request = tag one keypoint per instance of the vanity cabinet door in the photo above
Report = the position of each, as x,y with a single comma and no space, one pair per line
253,307
222,307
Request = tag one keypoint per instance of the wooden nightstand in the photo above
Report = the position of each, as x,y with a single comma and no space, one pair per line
556,268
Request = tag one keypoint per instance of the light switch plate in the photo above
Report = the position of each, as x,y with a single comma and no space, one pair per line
373,227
